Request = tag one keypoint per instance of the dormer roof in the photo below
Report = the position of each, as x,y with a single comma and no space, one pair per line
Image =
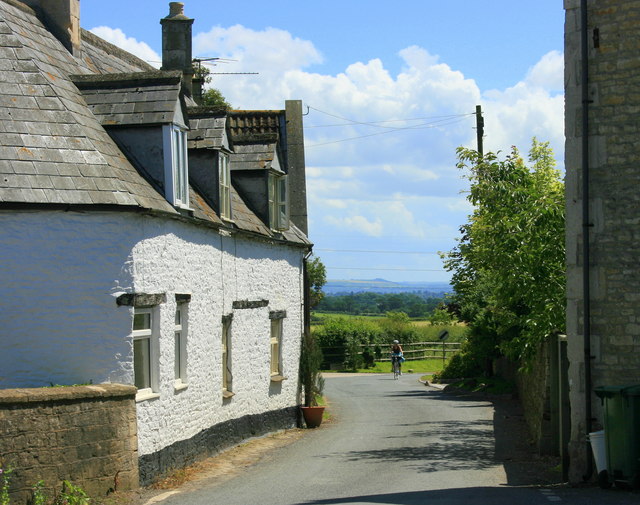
207,128
133,99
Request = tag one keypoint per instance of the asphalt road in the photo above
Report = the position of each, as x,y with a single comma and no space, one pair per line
391,442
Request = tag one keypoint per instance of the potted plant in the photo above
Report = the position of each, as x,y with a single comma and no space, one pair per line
311,380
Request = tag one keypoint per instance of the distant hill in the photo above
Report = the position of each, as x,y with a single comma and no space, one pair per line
340,287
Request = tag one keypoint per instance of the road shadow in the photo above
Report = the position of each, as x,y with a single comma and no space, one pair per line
466,445
462,496
492,495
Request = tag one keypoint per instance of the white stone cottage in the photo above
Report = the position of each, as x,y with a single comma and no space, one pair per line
146,240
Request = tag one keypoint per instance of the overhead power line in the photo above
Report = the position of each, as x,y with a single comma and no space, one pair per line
436,121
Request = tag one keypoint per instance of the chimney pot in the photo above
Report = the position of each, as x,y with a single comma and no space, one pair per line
176,9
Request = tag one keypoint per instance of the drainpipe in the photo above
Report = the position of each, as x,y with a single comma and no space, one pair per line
586,293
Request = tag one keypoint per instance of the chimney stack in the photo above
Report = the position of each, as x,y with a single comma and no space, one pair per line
62,18
176,44
296,168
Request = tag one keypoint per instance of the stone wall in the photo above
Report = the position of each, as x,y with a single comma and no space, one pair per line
613,36
84,434
533,386
533,389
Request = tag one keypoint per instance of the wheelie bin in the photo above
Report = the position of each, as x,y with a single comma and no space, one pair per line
622,435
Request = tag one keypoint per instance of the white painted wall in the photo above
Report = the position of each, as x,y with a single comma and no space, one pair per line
59,322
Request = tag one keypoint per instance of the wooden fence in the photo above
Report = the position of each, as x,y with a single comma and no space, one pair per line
335,357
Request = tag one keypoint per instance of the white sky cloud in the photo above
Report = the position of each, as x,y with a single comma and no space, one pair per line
357,223
141,49
380,147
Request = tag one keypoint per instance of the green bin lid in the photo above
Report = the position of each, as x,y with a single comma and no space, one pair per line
610,391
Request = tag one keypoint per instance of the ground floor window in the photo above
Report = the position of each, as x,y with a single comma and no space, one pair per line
180,344
227,376
276,346
143,350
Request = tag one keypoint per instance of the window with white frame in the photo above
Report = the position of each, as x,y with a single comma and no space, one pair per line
276,347
227,376
278,202
224,174
176,165
180,344
144,351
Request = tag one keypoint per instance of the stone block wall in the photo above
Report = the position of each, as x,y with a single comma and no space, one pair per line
613,35
84,434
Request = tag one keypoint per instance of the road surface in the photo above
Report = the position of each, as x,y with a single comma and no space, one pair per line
391,442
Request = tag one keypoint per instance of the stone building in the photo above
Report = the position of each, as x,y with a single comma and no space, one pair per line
147,240
602,125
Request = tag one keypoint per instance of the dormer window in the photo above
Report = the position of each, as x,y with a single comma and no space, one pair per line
175,165
224,176
278,202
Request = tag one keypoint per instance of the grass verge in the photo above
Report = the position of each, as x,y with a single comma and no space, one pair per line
415,366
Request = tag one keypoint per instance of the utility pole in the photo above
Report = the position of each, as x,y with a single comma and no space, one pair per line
479,128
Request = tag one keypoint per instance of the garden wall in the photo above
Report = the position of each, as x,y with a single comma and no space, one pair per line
533,387
84,434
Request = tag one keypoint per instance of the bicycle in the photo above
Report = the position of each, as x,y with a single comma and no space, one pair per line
395,366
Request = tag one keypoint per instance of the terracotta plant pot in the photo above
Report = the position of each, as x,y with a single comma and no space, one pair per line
312,416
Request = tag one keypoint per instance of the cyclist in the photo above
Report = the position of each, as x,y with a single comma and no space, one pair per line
396,352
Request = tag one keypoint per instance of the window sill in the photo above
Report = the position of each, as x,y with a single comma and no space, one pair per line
178,385
144,395
278,378
228,394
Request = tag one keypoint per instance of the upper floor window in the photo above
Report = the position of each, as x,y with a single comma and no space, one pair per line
278,202
176,165
224,176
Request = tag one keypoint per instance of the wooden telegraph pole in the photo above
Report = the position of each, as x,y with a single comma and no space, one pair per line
479,128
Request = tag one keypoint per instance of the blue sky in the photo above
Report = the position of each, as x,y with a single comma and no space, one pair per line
390,93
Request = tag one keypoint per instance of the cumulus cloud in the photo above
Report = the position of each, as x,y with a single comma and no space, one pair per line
357,223
117,37
532,107
380,147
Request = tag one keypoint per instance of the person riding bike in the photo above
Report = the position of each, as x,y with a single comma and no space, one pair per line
396,352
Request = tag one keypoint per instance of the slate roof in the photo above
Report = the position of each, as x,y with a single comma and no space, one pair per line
132,98
206,128
54,148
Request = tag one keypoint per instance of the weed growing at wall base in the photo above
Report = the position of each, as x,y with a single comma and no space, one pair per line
5,478
70,494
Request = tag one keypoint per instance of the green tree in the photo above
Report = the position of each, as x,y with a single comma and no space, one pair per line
213,98
210,97
508,267
317,279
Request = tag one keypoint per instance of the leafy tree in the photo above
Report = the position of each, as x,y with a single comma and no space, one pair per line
441,316
317,279
211,97
508,267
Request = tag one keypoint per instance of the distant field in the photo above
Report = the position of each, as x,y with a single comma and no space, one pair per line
426,331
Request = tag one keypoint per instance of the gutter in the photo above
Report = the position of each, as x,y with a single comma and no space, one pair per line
586,253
